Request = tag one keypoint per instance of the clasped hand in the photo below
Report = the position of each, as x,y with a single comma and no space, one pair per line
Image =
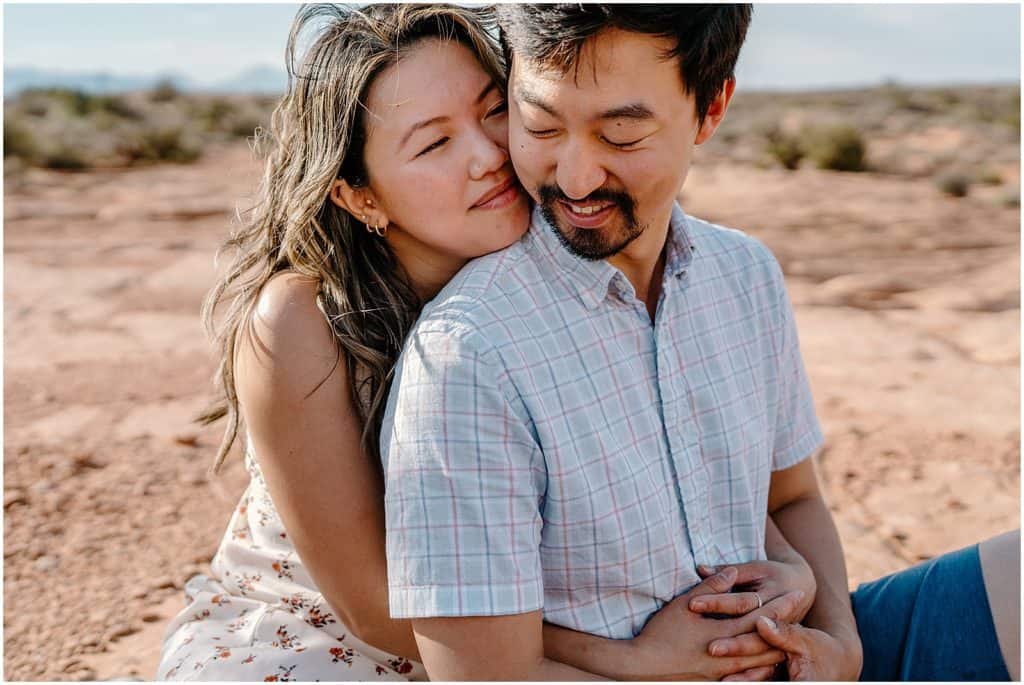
711,632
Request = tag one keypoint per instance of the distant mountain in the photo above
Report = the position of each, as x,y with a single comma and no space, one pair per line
257,79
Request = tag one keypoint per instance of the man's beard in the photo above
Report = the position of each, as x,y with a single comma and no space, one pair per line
592,244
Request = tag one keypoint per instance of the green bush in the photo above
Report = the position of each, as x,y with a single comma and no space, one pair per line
839,148
164,91
158,145
1011,198
783,147
18,140
990,177
954,183
65,158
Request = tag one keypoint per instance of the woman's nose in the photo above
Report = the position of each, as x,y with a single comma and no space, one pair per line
488,157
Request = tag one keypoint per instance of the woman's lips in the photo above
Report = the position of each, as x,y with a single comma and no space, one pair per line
501,196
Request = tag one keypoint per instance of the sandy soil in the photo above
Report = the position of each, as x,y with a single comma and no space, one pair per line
908,308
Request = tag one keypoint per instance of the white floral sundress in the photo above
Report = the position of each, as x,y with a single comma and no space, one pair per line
261,618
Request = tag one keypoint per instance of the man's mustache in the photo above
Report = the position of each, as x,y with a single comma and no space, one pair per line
550,194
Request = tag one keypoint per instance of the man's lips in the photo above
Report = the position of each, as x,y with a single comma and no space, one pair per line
494,192
594,219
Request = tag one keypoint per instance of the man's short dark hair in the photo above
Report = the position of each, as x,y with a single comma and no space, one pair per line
707,37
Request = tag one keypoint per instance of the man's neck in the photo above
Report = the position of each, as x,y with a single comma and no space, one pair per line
643,262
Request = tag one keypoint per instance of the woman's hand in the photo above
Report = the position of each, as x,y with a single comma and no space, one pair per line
674,645
757,583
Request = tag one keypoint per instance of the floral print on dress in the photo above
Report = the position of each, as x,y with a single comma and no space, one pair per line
343,654
287,641
247,583
284,676
283,567
257,615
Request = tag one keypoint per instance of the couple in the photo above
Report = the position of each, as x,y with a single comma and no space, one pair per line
594,438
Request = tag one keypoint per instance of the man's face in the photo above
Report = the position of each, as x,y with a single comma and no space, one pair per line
605,148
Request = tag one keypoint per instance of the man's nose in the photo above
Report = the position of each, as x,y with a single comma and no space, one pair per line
579,172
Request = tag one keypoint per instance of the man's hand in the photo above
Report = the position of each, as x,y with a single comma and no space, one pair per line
765,579
674,643
810,654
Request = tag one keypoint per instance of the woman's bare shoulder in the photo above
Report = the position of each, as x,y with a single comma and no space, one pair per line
287,341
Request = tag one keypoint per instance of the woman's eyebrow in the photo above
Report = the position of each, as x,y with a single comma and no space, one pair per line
491,85
417,126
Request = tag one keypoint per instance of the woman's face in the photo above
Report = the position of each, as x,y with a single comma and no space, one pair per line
437,155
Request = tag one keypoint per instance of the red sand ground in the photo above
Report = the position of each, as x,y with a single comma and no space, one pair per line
908,308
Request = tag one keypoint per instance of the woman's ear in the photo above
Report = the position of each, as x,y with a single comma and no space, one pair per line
358,202
353,201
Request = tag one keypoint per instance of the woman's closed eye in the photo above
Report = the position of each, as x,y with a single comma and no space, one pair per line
499,108
433,146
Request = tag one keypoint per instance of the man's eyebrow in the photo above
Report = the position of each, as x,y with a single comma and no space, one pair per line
632,111
529,98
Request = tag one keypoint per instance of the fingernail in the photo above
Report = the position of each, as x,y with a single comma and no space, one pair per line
799,595
698,605
770,623
729,573
708,569
717,650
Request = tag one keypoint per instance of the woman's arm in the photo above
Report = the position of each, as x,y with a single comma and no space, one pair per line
673,645
293,392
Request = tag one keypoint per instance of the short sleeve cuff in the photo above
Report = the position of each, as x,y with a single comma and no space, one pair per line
434,601
797,451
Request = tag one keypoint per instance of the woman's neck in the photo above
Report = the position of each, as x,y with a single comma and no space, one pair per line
428,270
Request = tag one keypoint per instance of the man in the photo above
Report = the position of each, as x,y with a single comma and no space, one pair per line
580,421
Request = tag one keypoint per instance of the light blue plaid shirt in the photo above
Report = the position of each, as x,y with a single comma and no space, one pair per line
546,446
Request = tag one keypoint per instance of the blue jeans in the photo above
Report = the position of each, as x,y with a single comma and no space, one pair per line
929,622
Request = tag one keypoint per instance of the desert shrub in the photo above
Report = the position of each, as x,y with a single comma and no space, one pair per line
786,150
18,139
954,183
1010,198
989,177
216,113
115,105
159,145
839,148
164,91
244,127
170,145
64,157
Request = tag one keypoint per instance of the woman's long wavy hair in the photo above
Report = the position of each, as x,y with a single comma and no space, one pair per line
317,134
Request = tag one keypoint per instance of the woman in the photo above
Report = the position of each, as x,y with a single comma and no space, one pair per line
389,172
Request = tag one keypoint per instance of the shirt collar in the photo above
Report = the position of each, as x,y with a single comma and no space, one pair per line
590,279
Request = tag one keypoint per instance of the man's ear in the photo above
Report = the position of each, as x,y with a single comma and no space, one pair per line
716,112
359,202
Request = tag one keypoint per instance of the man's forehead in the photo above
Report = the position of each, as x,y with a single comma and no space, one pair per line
613,60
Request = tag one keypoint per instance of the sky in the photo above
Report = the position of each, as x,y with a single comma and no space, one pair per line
788,46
